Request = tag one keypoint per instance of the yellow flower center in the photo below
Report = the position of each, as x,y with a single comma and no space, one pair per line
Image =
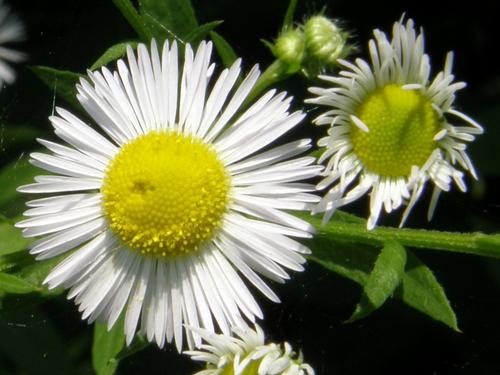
164,194
402,125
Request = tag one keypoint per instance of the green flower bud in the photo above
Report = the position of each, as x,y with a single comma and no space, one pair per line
325,41
290,48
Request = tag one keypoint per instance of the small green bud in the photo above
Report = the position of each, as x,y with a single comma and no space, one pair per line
290,48
325,41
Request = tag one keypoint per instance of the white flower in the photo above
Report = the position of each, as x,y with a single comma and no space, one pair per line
163,215
11,30
247,354
389,128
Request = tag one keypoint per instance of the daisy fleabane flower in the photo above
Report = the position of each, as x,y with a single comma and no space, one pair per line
247,354
11,30
391,128
166,213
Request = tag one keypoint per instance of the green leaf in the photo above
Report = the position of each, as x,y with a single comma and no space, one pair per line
128,11
18,172
139,343
11,239
224,49
419,287
352,262
15,285
288,21
113,53
385,277
37,270
198,34
62,82
106,345
168,18
421,290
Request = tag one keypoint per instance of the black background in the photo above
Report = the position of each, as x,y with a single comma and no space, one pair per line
71,35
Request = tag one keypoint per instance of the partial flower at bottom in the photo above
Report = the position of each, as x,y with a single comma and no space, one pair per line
247,354
11,30
392,128
165,214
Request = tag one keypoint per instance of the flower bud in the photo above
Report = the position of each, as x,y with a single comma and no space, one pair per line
325,41
289,48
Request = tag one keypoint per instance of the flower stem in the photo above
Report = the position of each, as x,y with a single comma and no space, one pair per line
355,232
275,72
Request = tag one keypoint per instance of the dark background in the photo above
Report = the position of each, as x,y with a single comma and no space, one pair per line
71,35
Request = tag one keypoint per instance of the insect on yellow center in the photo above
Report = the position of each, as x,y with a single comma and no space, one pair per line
402,125
164,194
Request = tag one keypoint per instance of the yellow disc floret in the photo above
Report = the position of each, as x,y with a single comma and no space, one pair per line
402,125
164,194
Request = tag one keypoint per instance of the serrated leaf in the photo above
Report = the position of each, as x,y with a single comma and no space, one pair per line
113,53
198,34
421,290
128,11
168,18
61,82
106,346
288,20
383,280
18,172
16,285
224,49
11,239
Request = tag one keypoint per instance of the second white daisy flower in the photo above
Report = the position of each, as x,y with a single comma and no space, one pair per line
391,128
165,214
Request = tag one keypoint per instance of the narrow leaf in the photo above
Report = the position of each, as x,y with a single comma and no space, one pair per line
128,11
224,49
139,343
106,345
174,16
288,21
62,82
383,280
15,285
198,34
113,53
421,290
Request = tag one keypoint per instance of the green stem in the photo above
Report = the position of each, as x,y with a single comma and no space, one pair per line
275,72
466,243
